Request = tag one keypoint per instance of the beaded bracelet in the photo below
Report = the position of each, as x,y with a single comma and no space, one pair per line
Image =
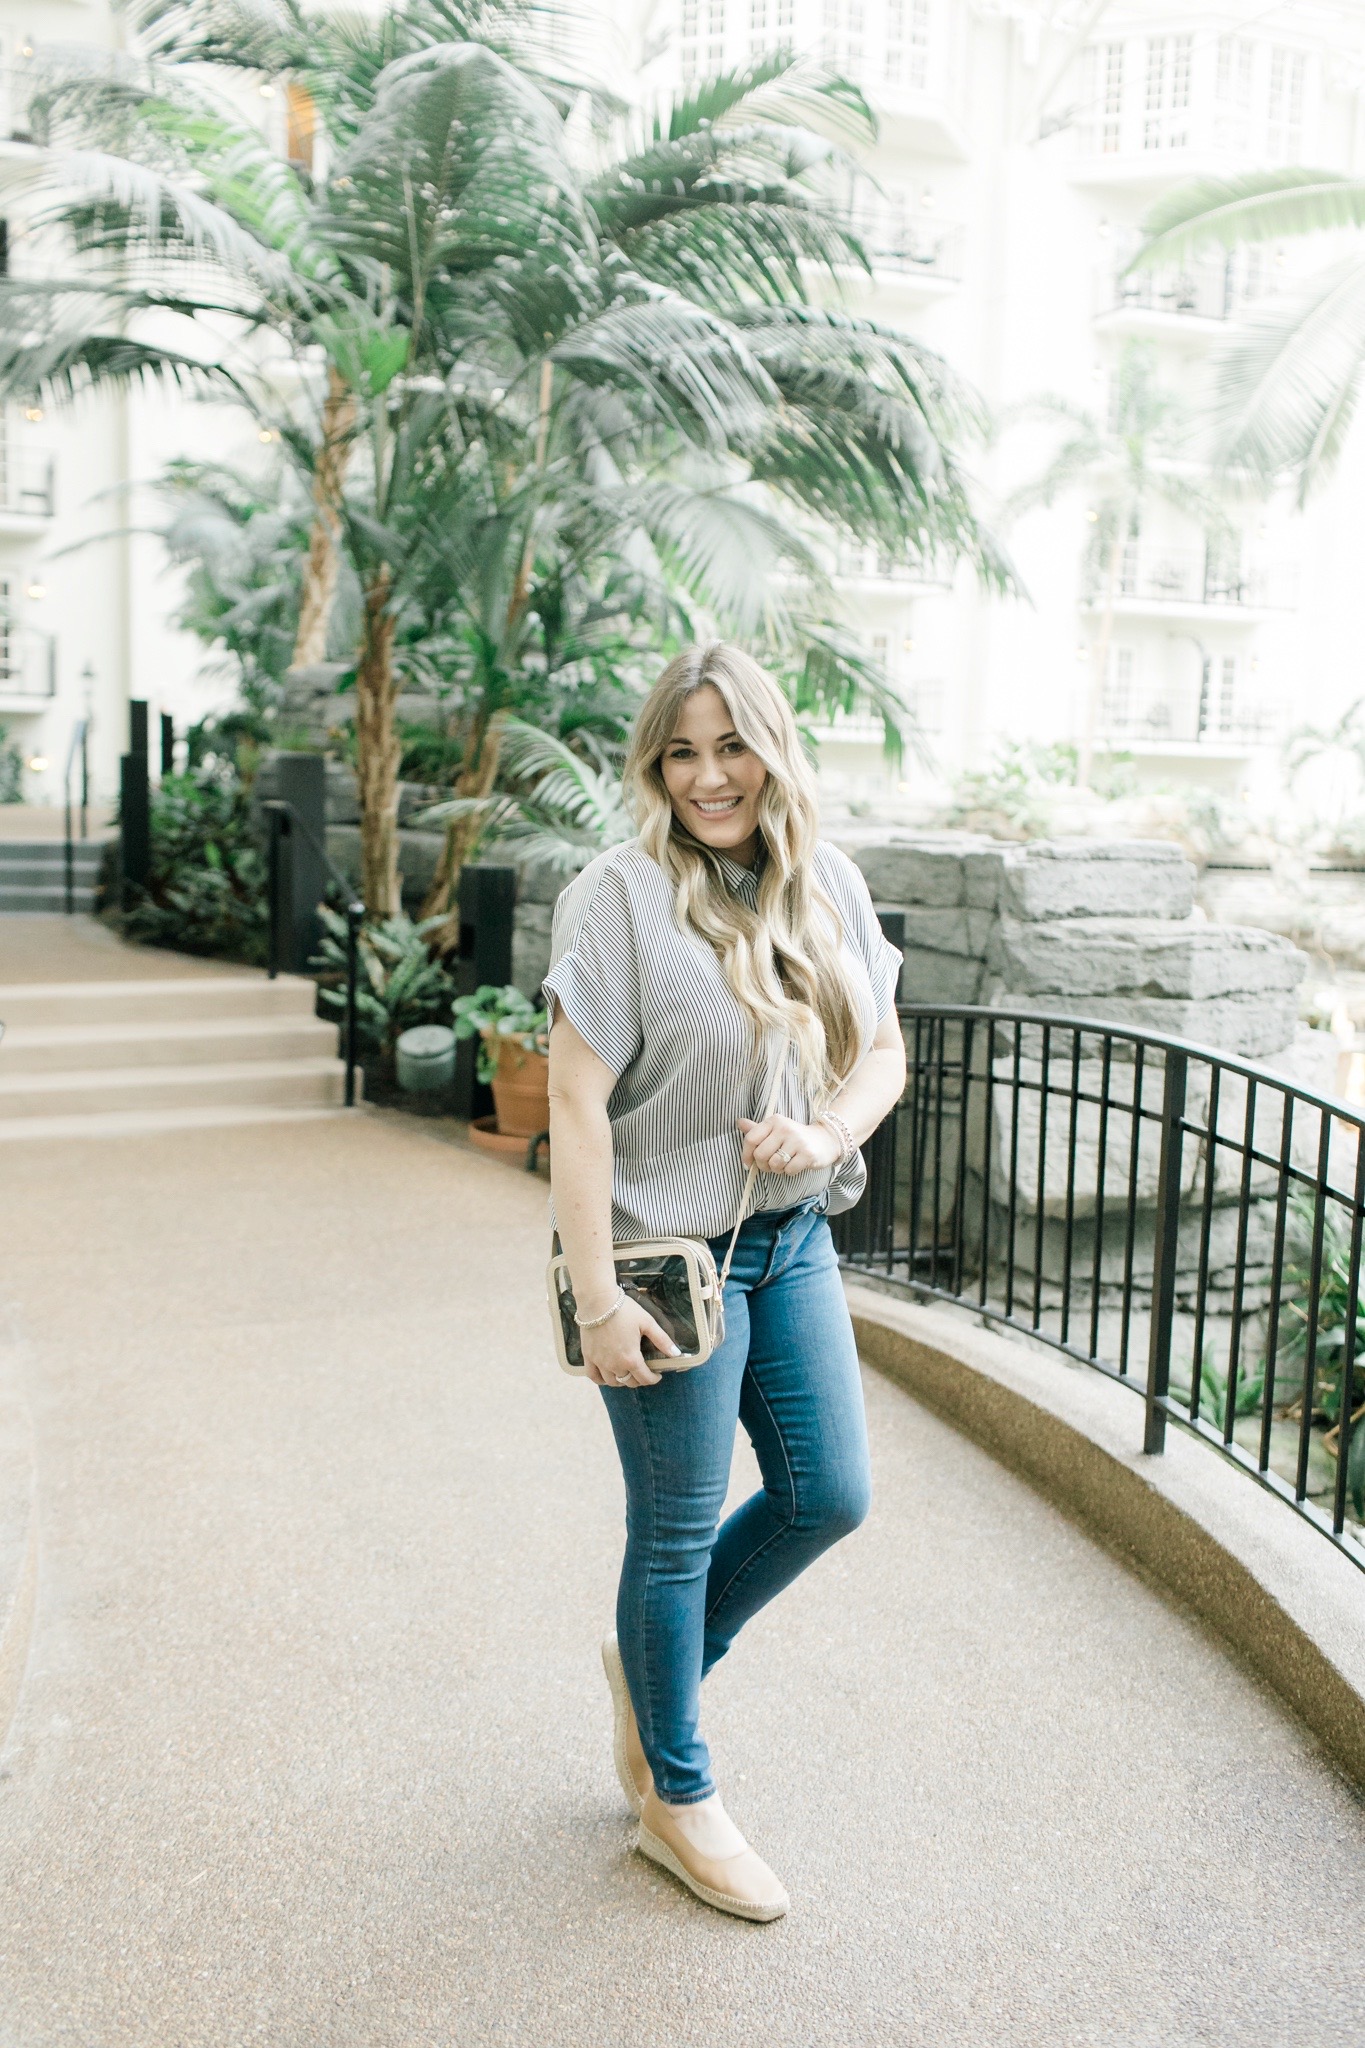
842,1133
596,1322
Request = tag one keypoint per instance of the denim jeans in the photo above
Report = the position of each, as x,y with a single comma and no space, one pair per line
788,1370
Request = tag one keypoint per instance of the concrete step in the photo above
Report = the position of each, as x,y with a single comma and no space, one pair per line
20,897
208,998
50,853
67,1048
46,874
137,1123
226,1084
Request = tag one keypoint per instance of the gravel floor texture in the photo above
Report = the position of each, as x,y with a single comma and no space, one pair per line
313,1749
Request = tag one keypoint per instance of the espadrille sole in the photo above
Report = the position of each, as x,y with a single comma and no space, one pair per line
620,1700
743,1909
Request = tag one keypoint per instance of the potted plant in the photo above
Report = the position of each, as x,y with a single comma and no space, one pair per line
514,1056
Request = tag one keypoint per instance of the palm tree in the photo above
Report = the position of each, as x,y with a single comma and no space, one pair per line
1289,384
1124,464
485,308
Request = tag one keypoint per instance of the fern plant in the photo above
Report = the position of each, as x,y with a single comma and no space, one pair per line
399,983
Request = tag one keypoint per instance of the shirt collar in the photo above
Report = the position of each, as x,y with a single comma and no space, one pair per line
740,880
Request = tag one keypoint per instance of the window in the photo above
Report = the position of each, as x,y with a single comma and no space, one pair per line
1102,94
1117,709
687,42
1232,93
926,701
715,35
1284,107
7,648
905,57
758,29
786,18
841,39
1167,104
1234,72
1226,714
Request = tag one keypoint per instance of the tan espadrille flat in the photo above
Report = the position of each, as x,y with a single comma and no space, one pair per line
631,1767
740,1884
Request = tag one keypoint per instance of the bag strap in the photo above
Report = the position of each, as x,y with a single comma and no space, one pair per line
773,1094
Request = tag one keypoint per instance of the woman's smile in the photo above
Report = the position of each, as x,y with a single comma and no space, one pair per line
713,778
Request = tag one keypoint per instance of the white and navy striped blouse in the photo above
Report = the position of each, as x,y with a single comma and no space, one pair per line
652,1001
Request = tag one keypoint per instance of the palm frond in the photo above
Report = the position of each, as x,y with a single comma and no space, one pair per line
1289,384
1256,207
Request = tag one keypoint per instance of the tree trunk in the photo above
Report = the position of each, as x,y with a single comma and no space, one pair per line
476,779
377,755
1085,760
320,569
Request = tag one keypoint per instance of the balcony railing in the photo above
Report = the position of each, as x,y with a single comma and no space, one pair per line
1192,576
28,663
1170,714
1189,1224
1216,288
921,246
26,482
866,565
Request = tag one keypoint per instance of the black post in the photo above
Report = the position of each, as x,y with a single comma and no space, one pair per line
865,1229
1165,1250
135,804
277,824
167,744
69,861
488,898
300,784
355,917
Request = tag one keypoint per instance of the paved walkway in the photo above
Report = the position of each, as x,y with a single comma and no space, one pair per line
313,1746
36,947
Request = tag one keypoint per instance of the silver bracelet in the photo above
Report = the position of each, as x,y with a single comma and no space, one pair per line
842,1133
596,1322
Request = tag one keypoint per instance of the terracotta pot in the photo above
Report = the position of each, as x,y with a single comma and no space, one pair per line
521,1089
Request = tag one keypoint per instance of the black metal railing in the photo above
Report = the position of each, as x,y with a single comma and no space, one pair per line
283,821
77,755
1186,1222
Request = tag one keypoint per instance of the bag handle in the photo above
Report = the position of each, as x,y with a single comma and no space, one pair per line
773,1094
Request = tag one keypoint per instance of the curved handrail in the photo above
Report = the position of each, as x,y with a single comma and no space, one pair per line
1107,1190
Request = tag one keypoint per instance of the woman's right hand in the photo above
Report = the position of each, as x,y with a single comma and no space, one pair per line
614,1352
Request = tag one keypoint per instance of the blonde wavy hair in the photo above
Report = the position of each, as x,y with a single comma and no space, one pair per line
784,960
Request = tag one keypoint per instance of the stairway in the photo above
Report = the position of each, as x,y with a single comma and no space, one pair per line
33,874
104,1058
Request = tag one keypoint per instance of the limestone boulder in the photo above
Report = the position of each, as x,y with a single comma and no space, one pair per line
1151,958
928,869
1064,879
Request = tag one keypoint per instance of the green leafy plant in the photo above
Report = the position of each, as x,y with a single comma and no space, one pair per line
1213,1391
492,1013
11,769
561,804
1336,1310
399,983
206,890
1337,1313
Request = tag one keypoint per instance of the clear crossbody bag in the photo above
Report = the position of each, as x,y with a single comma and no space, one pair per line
673,1278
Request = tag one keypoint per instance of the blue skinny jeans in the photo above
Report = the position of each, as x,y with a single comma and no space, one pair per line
788,1370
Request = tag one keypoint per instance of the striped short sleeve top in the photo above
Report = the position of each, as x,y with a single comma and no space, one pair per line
652,1001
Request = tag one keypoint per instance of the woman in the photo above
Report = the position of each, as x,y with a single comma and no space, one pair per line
685,964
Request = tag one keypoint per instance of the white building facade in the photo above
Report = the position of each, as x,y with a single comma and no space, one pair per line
1020,147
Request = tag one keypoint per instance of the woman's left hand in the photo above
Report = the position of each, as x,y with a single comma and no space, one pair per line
781,1145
